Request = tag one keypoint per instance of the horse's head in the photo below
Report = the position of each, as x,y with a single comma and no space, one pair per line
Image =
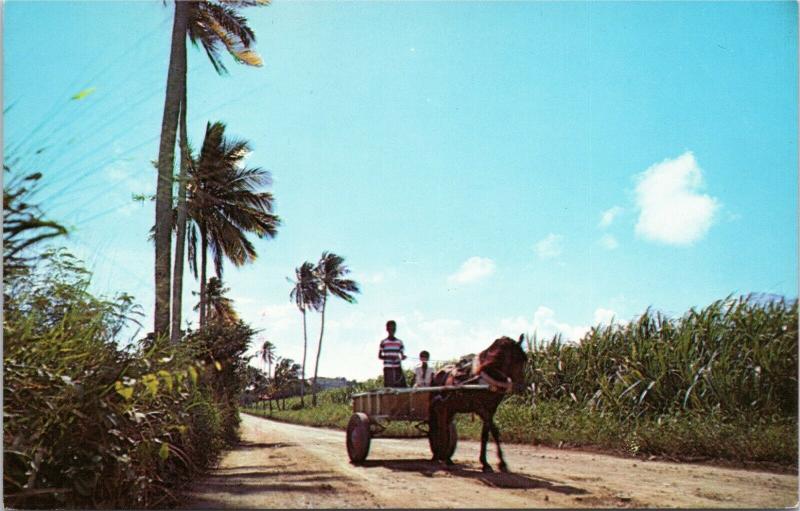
504,361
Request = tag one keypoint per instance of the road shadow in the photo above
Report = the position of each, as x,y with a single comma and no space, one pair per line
233,481
246,446
508,480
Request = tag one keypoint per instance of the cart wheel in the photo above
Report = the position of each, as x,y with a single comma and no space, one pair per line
358,437
451,440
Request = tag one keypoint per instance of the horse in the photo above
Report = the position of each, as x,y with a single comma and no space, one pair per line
502,366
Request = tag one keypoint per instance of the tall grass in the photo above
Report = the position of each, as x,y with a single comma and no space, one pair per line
734,357
88,424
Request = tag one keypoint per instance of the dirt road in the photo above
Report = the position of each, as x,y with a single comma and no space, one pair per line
287,466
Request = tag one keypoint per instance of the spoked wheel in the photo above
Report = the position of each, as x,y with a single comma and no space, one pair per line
358,437
451,440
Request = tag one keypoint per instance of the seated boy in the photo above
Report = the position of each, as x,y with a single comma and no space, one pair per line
422,372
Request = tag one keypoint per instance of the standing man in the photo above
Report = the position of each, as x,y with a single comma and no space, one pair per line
391,352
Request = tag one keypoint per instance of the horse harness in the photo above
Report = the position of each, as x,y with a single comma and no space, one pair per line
471,363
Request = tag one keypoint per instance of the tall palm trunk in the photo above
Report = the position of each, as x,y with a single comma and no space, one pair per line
166,160
203,261
303,369
319,350
269,375
180,233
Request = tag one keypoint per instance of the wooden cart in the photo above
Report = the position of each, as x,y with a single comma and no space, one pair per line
373,410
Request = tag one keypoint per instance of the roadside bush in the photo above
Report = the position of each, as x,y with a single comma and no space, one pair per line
88,424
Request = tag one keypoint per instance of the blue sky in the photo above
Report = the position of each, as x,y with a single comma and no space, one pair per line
485,168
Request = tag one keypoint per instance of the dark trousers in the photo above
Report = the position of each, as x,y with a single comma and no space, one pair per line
394,377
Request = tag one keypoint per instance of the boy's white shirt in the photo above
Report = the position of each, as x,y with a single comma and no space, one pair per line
422,380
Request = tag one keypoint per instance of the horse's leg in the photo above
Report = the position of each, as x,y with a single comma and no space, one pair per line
438,429
434,430
444,427
496,434
484,440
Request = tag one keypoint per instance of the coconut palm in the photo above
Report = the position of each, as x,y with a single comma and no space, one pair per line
330,272
286,375
267,355
306,295
224,204
214,25
219,306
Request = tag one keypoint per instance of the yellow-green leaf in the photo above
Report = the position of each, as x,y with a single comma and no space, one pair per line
163,452
150,382
193,374
82,94
218,365
122,390
167,376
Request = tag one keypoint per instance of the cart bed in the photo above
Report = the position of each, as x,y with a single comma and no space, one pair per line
402,404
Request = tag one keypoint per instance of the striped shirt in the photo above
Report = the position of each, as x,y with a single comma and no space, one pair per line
391,352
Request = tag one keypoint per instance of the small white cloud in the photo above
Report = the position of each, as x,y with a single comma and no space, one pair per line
544,325
671,209
609,242
608,216
550,246
604,316
473,269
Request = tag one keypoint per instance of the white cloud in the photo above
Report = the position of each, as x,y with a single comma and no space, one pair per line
671,209
473,269
544,325
549,247
604,316
609,242
608,216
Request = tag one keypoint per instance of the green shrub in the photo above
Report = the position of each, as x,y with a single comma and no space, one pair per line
88,424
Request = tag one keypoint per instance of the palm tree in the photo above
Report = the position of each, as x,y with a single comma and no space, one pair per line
224,204
267,354
306,295
214,25
286,374
220,307
331,272
180,228
176,82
